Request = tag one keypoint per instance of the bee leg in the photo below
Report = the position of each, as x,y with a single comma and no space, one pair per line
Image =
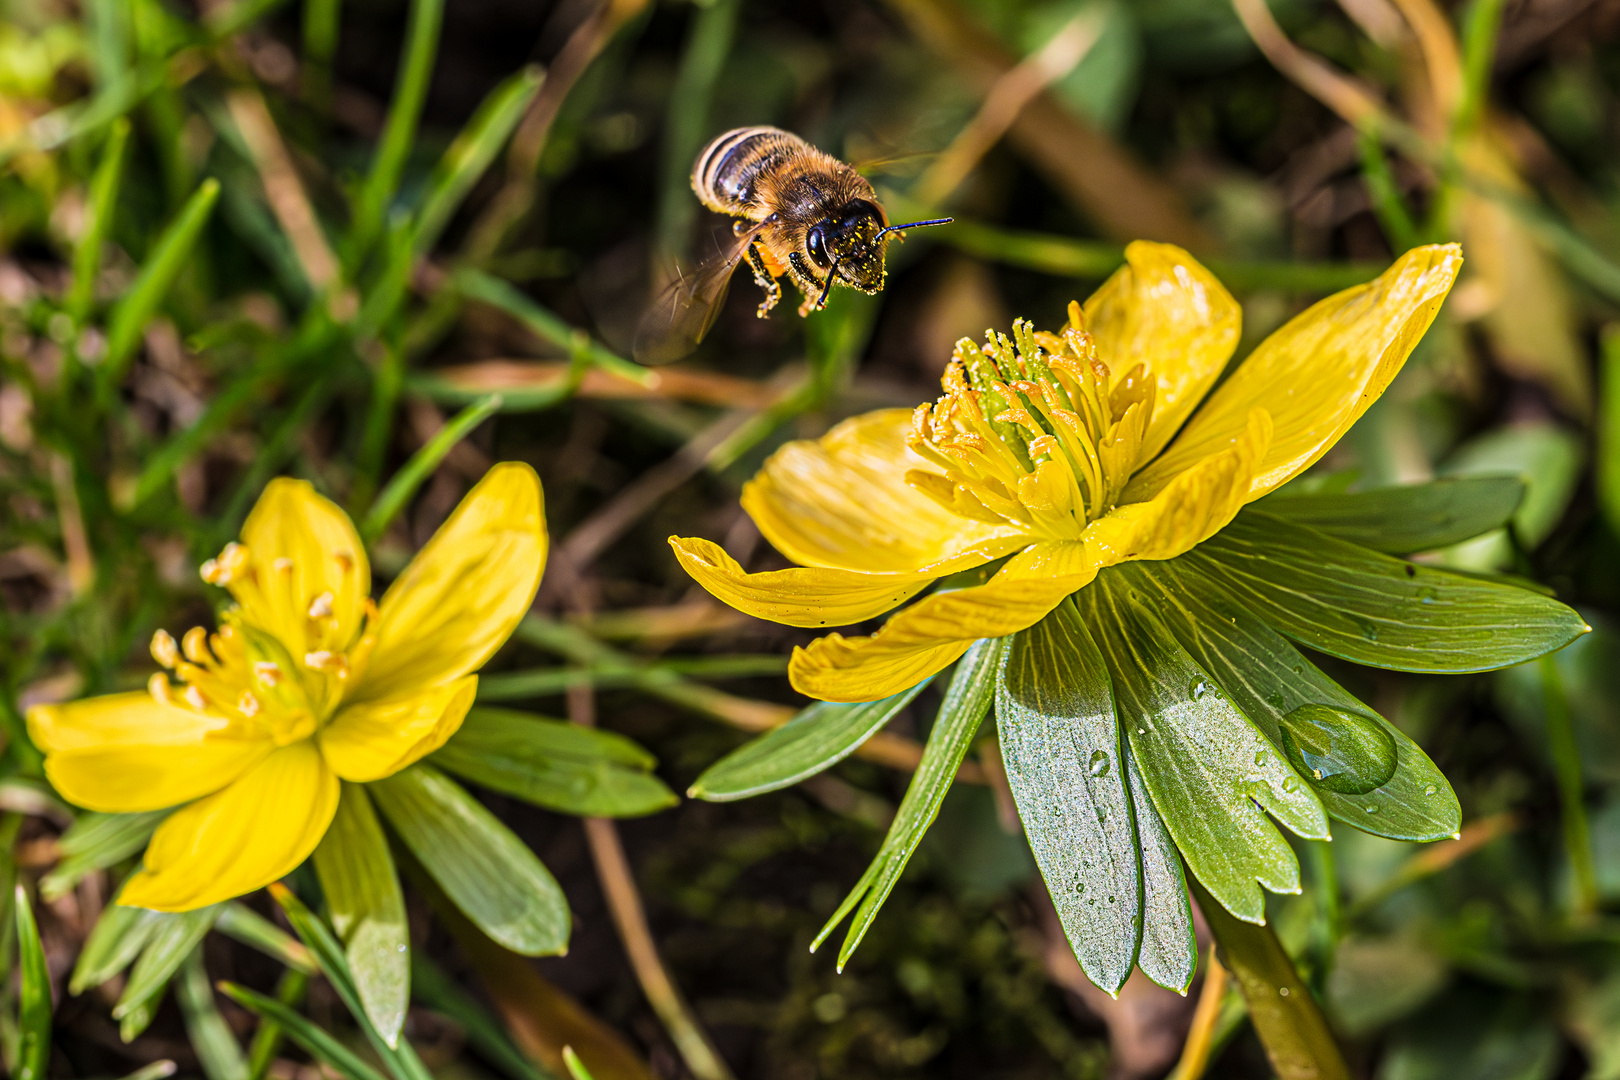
763,278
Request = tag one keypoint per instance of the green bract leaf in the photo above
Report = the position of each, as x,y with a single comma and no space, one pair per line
966,702
818,738
34,997
489,873
1356,604
1060,743
1546,456
1267,678
117,939
564,767
1169,952
94,842
368,911
168,947
1401,520
1208,769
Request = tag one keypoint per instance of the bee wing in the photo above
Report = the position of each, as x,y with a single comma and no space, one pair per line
677,320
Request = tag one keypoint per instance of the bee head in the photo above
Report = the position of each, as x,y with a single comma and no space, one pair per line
852,239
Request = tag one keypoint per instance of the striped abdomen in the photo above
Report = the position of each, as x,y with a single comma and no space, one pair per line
726,177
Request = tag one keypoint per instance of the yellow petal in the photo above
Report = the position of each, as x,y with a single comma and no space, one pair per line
369,740
463,594
1194,506
303,547
242,838
811,596
1165,310
843,502
924,637
123,753
1317,374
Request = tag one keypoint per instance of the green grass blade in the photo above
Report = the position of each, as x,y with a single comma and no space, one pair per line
242,923
290,991
477,285
686,120
211,1038
116,940
167,258
103,201
399,132
168,948
314,1040
471,153
393,498
34,1000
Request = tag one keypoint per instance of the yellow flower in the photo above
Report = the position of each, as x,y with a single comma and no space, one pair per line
1070,452
306,682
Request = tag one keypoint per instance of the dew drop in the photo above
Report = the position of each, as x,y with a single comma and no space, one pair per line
1099,763
1198,689
1343,752
1290,783
1428,595
1369,631
1141,731
1430,790
1282,990
1259,757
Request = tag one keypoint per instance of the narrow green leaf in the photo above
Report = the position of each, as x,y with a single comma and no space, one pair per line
290,991
401,1061
439,992
1360,605
967,700
818,738
98,217
471,153
211,1038
116,940
237,920
95,842
1060,743
1285,1015
34,998
1208,769
176,936
576,1068
560,766
477,285
399,131
1267,678
141,302
491,876
1401,520
421,465
313,1039
368,910
1169,952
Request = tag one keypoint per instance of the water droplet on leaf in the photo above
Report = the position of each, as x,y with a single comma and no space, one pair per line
1342,751
1198,689
1428,595
1430,790
1099,763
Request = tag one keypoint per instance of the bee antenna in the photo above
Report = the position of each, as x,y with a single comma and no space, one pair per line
827,288
913,225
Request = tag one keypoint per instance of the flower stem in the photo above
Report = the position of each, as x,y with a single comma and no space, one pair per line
1195,1053
1285,1015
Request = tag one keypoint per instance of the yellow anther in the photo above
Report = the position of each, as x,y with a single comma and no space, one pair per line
322,607
224,567
195,646
328,661
344,560
282,565
247,704
195,698
158,687
164,650
268,672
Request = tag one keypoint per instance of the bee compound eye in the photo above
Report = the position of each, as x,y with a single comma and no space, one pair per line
816,244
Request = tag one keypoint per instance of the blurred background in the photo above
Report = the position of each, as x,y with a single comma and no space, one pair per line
418,208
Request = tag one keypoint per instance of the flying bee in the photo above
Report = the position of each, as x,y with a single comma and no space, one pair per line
796,211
